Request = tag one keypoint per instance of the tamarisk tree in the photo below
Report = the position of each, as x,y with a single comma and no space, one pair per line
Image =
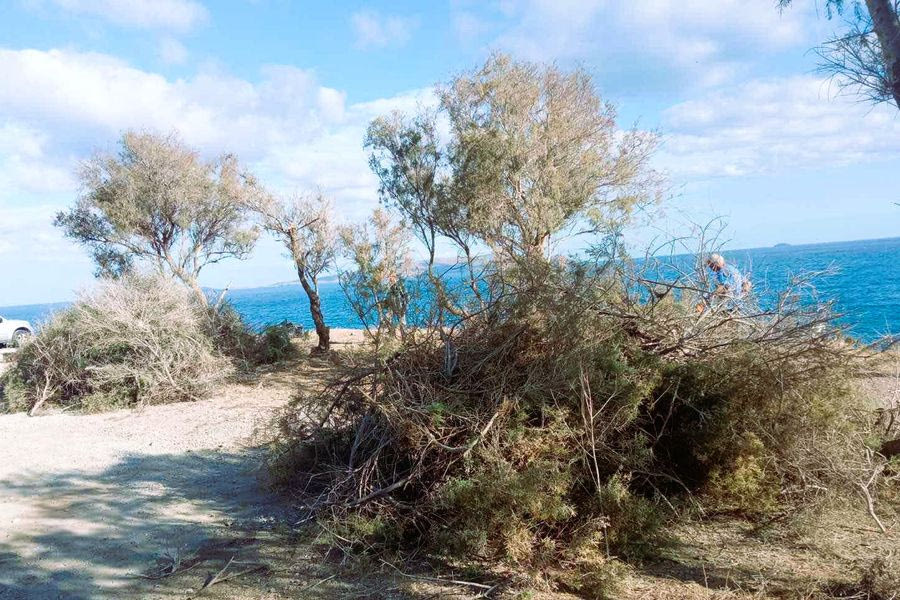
380,267
532,151
158,202
533,154
303,224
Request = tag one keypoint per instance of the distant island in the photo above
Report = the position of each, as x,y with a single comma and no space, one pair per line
782,245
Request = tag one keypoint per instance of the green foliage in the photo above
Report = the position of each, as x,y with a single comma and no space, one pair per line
632,526
276,343
492,512
532,150
594,578
159,203
361,531
13,392
235,339
376,285
744,484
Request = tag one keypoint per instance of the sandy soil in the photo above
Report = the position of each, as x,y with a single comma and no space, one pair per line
106,506
87,502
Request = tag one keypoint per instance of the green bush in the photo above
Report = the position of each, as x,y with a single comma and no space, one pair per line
139,340
235,339
13,393
276,343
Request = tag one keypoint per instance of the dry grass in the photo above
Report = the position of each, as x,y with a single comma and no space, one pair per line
135,341
732,558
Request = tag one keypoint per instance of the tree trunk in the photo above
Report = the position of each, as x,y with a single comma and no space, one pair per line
315,310
198,291
189,279
887,28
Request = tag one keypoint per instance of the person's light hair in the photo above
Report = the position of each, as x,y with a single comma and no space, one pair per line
716,259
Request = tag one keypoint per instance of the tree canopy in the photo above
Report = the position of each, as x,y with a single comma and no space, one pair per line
158,202
532,150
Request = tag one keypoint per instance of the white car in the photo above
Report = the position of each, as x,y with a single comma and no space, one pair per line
14,333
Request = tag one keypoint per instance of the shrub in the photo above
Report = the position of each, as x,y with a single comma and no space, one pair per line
135,341
562,430
13,393
276,343
233,338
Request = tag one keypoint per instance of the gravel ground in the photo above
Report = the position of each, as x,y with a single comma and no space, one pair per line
87,502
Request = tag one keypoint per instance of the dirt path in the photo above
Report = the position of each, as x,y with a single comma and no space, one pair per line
89,501
92,504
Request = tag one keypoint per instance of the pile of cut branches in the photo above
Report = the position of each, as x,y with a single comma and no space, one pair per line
559,428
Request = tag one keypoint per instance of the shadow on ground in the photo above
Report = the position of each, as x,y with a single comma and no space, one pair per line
80,536
120,532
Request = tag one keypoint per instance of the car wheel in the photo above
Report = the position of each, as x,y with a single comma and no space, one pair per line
20,337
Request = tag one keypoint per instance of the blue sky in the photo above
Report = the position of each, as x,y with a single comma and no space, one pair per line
750,131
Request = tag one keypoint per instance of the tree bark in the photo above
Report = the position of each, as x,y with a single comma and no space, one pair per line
887,27
189,279
315,310
198,291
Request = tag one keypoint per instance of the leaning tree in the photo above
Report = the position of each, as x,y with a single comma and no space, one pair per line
303,225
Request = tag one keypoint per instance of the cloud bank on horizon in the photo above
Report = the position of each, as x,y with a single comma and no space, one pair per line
730,87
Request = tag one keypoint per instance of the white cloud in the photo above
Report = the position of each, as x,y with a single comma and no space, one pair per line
180,15
24,165
653,42
62,105
74,96
377,31
172,52
469,26
38,263
768,125
758,24
59,106
26,233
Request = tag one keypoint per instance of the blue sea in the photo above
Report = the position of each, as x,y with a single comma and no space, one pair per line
865,287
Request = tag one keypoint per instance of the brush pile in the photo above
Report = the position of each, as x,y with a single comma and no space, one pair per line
549,413
134,341
568,425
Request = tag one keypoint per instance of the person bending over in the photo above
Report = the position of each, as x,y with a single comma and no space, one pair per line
730,284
